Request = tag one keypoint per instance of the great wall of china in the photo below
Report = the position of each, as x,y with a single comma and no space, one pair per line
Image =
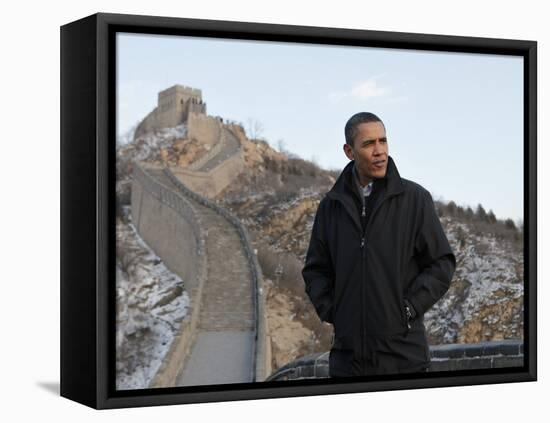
208,248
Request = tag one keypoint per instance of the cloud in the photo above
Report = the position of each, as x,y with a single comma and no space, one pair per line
369,89
366,90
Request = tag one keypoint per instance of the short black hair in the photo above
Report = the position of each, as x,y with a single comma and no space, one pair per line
350,130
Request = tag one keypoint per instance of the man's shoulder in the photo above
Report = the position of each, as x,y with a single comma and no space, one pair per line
327,203
325,200
414,189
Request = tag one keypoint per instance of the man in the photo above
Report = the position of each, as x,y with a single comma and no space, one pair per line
378,259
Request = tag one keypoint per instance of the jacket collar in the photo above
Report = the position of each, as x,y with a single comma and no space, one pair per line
344,185
344,188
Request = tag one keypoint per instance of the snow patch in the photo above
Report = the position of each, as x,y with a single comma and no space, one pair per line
151,303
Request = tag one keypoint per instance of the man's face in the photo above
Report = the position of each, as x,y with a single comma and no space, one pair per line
370,151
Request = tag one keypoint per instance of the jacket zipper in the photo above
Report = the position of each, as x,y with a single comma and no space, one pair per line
363,270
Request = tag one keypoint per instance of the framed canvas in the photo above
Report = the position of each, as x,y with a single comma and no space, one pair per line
213,245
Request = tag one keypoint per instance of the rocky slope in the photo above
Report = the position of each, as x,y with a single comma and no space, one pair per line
485,300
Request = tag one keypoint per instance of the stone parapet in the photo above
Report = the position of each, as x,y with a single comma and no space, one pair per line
211,183
449,357
155,206
210,154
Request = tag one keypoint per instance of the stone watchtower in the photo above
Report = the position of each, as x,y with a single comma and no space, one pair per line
175,104
173,108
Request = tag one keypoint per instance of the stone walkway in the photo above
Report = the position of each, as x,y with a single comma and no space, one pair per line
232,145
223,350
218,358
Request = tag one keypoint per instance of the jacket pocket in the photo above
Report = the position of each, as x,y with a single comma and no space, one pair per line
404,318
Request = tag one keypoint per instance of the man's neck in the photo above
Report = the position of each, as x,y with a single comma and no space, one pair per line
363,180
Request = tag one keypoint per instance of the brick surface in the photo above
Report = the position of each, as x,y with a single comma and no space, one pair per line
227,306
227,301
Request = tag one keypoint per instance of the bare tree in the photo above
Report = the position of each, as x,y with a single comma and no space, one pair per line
255,128
281,146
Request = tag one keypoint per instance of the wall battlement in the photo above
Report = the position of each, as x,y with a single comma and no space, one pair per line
174,105
183,89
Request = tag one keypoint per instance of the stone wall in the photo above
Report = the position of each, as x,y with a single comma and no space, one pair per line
197,108
174,106
205,128
169,224
483,355
450,357
148,124
209,184
196,165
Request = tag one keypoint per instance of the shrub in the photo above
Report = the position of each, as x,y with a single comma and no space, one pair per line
481,214
509,223
451,208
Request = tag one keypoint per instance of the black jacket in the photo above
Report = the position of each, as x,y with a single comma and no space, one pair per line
360,272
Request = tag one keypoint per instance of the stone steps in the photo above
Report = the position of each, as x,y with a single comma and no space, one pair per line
227,301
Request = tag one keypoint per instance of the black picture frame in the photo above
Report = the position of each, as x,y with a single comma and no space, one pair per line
88,100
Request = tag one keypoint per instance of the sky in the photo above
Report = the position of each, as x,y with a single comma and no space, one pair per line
454,121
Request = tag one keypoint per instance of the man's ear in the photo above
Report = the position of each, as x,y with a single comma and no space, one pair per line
349,151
